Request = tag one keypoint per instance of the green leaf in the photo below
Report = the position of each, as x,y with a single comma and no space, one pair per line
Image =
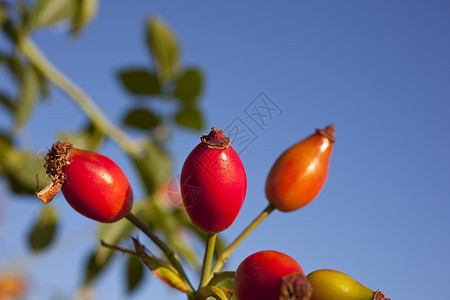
141,118
154,166
160,269
135,273
228,284
90,137
11,30
50,12
15,67
27,98
164,46
44,230
140,82
44,85
3,16
21,168
7,102
94,268
85,11
189,117
189,86
219,293
112,233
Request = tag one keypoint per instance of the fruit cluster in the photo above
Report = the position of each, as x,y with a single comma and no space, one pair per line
213,188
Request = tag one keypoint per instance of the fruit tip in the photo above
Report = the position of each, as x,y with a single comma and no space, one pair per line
328,132
216,139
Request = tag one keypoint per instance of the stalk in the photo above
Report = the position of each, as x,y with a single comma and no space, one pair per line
207,260
169,253
223,257
43,64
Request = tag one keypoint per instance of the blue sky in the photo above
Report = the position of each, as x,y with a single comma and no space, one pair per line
378,70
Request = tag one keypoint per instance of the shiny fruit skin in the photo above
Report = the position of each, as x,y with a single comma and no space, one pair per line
259,276
299,174
96,187
213,187
334,285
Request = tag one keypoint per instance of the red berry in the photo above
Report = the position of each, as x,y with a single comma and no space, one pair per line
260,275
92,184
300,172
213,183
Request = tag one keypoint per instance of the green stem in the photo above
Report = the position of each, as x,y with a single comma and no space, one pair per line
207,259
41,62
221,276
169,253
222,258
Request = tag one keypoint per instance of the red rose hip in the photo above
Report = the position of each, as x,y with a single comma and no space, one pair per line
213,183
265,275
92,184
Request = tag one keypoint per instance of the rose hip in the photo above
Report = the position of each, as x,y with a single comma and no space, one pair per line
92,184
262,276
300,172
213,183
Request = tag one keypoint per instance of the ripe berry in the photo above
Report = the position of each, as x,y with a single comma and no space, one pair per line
92,183
213,183
261,274
300,172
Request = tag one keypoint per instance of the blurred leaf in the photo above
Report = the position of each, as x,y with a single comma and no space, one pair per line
15,67
50,12
44,85
141,118
154,167
164,47
184,247
112,233
44,230
89,138
189,86
160,269
7,102
228,284
140,82
94,268
135,273
11,31
21,167
27,98
189,117
85,11
3,16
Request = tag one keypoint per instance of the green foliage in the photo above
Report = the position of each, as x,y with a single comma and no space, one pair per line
141,118
94,267
44,230
77,13
168,81
153,165
189,86
164,47
135,273
165,84
89,137
20,167
49,12
27,97
85,11
160,269
189,117
140,82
